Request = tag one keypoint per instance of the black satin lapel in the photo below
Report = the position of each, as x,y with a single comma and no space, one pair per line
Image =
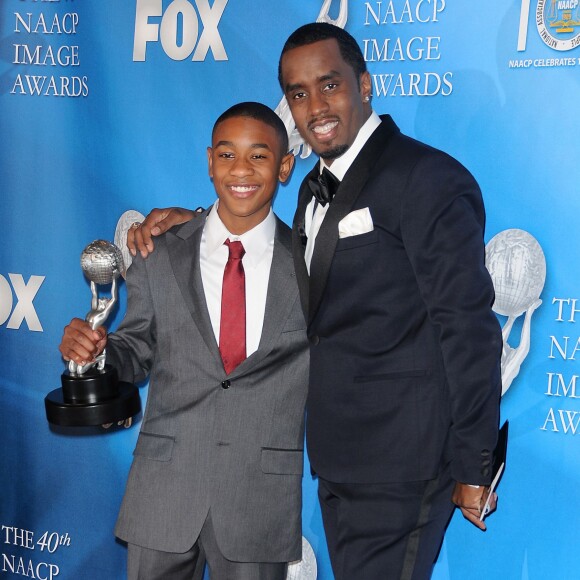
299,241
300,268
347,194
183,248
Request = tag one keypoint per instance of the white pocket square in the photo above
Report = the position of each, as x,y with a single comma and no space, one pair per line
356,223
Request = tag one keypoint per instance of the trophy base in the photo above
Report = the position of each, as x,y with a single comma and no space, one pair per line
96,398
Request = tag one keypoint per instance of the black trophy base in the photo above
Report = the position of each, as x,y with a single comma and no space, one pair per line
95,398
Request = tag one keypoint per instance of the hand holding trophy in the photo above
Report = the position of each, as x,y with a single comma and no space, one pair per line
91,393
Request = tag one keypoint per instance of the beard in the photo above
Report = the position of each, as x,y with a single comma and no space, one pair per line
334,153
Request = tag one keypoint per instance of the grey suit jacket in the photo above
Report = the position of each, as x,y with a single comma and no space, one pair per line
232,444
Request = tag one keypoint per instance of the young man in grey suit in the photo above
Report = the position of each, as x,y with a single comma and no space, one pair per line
404,388
218,463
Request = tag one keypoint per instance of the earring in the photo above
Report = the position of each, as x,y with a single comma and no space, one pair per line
367,99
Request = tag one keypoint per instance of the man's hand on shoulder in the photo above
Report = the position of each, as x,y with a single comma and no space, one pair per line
471,500
140,237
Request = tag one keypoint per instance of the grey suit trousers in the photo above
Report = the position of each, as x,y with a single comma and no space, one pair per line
146,564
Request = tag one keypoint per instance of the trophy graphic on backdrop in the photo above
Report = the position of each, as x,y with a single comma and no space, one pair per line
517,266
92,394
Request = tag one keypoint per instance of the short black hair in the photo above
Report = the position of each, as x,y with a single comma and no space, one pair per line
317,31
260,112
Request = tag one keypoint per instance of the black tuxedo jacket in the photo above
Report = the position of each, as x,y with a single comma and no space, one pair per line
405,349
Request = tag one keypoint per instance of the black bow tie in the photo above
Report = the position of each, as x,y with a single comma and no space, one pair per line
324,186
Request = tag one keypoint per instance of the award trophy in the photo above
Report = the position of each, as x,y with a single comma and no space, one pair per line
92,394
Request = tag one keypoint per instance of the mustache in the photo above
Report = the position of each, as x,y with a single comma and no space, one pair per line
321,121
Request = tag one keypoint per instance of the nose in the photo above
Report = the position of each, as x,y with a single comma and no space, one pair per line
318,104
241,167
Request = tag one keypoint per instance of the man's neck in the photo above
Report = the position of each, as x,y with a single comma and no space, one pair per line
341,164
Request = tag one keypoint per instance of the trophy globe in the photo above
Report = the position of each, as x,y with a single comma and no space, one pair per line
127,220
517,267
304,569
102,262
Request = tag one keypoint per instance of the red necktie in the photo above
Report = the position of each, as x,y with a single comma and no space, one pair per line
233,318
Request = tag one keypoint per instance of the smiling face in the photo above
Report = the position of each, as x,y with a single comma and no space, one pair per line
328,103
246,162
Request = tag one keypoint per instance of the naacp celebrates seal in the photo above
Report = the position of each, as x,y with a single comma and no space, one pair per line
558,23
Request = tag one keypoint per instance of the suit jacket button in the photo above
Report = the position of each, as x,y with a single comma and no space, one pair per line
314,339
226,384
485,471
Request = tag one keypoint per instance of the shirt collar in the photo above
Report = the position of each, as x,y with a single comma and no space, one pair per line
342,164
255,241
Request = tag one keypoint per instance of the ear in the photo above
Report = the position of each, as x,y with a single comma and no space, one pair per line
209,161
365,85
286,167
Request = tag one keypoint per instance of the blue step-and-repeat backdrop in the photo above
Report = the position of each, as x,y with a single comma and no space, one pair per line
108,106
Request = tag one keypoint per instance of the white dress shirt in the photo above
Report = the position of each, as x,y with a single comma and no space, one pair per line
259,246
315,213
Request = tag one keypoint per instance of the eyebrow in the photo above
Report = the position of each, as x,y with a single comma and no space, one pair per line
326,77
253,145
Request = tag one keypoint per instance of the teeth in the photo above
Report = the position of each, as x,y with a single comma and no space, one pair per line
243,188
320,129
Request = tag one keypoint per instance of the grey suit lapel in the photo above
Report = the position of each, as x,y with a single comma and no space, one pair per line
347,194
281,295
183,243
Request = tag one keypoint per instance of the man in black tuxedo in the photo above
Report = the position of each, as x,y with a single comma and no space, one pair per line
405,350
403,404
